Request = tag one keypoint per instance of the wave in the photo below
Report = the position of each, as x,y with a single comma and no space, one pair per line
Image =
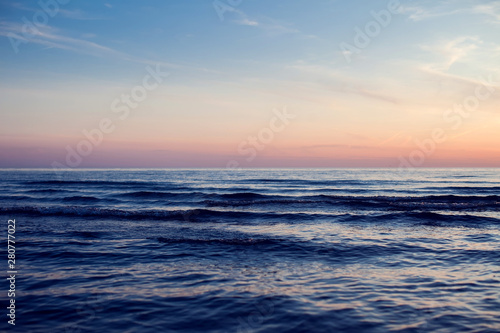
145,184
440,202
15,197
243,217
474,189
81,198
192,195
310,181
254,199
189,195
223,241
242,196
433,219
49,190
189,215
86,182
156,194
336,251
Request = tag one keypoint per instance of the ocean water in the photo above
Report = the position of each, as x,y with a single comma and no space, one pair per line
323,250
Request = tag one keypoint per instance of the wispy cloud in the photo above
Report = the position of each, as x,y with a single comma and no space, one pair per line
334,80
50,37
53,38
420,13
76,14
452,51
465,82
270,26
447,8
246,21
491,9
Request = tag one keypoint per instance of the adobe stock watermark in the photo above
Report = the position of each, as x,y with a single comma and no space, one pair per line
225,6
454,117
255,319
363,37
48,9
250,147
120,107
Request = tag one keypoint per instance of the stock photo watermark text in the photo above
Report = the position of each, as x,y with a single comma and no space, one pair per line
11,272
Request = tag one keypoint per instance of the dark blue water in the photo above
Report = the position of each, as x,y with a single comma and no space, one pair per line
255,250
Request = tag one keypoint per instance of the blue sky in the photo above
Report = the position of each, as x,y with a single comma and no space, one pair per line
226,76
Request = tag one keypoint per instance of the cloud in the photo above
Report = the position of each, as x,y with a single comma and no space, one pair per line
492,10
418,13
248,22
452,51
425,12
76,14
465,82
333,80
50,37
268,25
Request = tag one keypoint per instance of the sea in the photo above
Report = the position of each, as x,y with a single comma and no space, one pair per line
261,250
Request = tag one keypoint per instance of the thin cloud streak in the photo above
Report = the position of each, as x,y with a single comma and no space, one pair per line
51,38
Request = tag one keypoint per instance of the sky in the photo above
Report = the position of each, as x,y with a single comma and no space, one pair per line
249,83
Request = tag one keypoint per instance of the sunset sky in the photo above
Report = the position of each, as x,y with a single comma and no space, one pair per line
361,83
